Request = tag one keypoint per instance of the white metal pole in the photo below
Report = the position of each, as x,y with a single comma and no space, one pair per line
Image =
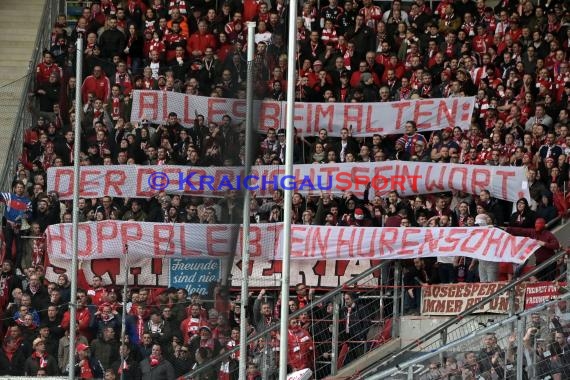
124,313
76,148
288,205
249,128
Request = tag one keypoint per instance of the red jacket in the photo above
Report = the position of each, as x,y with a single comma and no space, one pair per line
200,42
83,319
301,349
101,87
191,326
543,253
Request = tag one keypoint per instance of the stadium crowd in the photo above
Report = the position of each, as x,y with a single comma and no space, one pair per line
544,344
512,58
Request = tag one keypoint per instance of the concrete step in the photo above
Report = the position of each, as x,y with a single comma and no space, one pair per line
21,35
19,24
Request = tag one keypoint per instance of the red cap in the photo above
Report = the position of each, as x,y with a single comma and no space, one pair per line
358,211
82,347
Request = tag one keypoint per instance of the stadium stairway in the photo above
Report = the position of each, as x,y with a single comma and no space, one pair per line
417,327
19,24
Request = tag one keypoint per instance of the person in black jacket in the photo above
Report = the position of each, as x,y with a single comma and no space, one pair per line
12,358
112,40
524,217
40,360
414,277
354,327
46,211
127,365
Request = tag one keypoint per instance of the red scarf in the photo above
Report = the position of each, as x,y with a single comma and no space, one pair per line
42,357
140,327
153,361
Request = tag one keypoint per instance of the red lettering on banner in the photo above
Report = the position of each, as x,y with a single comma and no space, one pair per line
418,113
255,248
449,114
320,244
58,186
369,126
362,245
238,109
188,115
358,179
142,180
270,116
512,249
467,114
400,106
130,232
353,115
388,237
431,184
115,179
164,105
478,236
327,114
58,238
494,241
452,240
344,243
86,183
163,233
106,231
343,181
215,113
458,175
504,183
480,184
398,180
300,241
409,243
85,234
148,100
431,241
212,241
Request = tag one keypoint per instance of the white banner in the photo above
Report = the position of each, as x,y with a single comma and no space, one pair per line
408,178
366,119
109,239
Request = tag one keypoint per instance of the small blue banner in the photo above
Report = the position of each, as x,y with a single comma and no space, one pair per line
194,275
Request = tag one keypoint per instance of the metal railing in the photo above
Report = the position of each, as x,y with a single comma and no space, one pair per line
333,347
24,118
459,325
531,348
